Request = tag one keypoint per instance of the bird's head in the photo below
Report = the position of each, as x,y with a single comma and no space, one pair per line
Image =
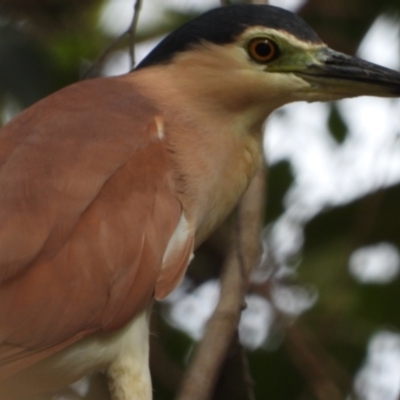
242,55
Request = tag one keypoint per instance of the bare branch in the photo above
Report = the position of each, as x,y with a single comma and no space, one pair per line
94,70
312,364
132,31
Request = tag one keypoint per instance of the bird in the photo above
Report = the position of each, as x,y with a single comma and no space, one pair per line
109,185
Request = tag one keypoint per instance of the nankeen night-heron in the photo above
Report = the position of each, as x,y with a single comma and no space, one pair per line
108,186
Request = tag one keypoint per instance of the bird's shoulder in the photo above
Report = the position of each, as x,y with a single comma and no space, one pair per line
59,154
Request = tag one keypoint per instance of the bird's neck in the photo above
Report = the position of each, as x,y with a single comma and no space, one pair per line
219,147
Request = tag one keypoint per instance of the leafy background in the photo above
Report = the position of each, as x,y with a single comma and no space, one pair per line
323,314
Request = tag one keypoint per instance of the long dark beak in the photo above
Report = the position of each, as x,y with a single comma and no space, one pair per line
350,76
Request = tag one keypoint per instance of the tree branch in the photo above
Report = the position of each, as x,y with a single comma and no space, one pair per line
312,364
132,31
94,70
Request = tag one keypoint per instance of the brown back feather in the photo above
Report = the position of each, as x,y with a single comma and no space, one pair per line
86,213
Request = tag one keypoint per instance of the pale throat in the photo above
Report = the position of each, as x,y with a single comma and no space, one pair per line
220,154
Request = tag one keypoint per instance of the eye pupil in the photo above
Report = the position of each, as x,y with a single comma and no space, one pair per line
263,49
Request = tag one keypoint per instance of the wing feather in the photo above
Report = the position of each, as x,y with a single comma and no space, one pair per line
87,209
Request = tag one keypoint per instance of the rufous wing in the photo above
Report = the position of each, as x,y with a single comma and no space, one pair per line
87,209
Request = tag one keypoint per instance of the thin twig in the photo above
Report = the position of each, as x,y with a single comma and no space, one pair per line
93,71
210,353
132,31
248,379
311,363
326,378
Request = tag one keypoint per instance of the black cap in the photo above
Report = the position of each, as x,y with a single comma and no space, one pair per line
222,26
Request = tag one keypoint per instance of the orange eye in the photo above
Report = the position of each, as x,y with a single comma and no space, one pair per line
262,50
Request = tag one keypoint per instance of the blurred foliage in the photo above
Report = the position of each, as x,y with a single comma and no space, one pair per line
18,51
280,177
342,24
47,44
336,125
43,45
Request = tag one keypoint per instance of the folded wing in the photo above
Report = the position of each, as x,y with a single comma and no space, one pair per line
87,209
